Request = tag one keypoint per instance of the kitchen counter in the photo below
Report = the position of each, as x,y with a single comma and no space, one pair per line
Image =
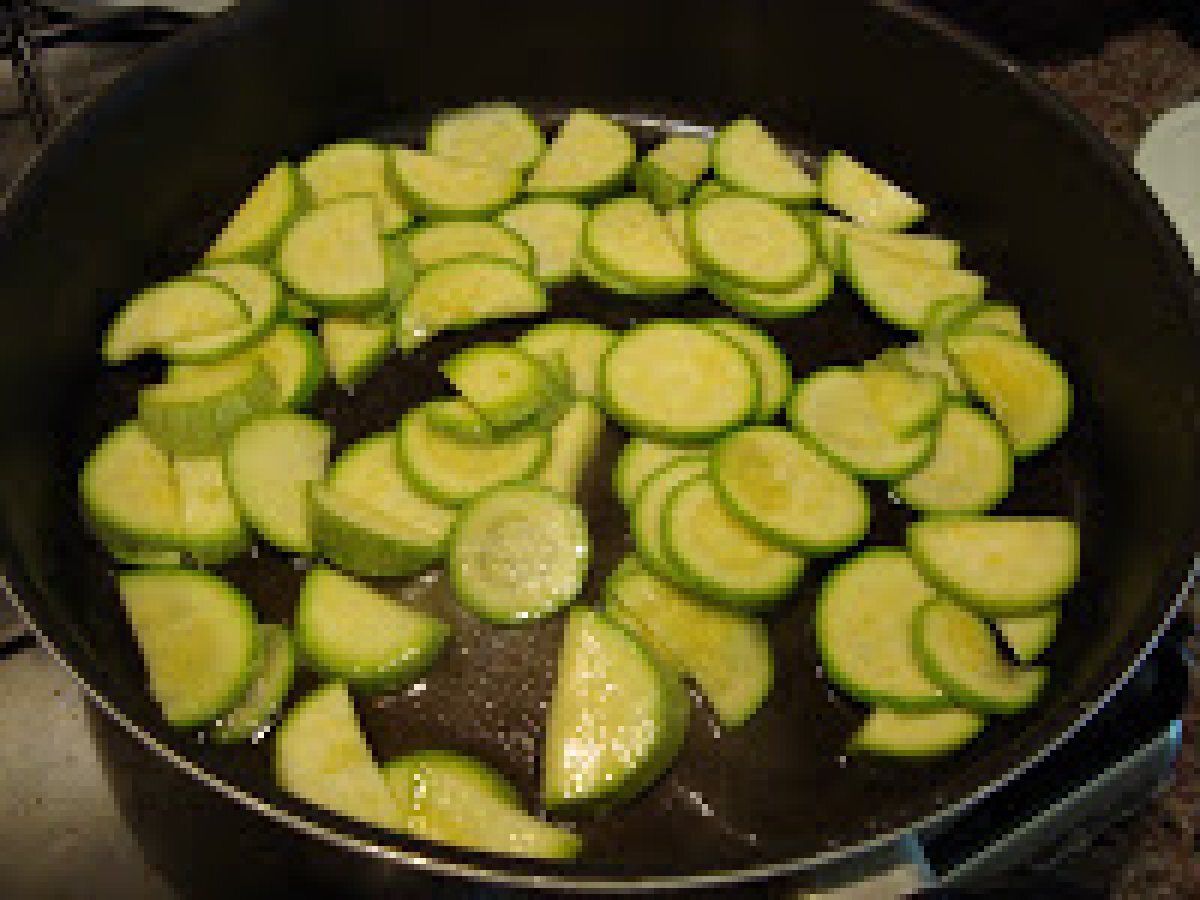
1120,81
1122,86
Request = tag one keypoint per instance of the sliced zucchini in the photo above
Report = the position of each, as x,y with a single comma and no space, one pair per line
440,242
958,652
789,304
254,229
646,515
676,219
628,239
1026,390
1005,319
917,735
501,135
747,158
948,312
605,279
354,349
131,553
460,420
678,381
865,196
356,536
751,241
198,407
970,471
270,462
903,291
998,565
554,229
718,556
834,410
831,230
198,639
260,295
505,384
350,632
333,257
322,757
573,442
356,167
401,272
787,493
169,313
518,553
588,158
710,187
443,187
560,392
617,718
728,655
297,365
640,458
464,293
668,173
296,309
457,800
905,401
273,670
211,528
451,472
864,623
378,523
772,365
129,495
926,357
1029,636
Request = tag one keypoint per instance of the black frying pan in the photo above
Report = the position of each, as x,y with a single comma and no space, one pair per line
137,184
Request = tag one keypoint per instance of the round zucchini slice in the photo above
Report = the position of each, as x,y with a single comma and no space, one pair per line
719,557
750,241
678,381
519,553
788,493
865,616
959,653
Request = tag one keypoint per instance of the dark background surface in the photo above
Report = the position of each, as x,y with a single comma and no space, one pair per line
1121,64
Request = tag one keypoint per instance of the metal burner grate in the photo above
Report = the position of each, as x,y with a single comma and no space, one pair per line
51,53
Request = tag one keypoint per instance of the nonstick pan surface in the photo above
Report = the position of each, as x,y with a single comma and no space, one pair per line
779,792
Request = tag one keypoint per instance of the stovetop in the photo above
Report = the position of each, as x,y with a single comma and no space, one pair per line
61,832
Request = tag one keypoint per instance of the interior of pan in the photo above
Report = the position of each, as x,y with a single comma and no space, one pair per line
1058,228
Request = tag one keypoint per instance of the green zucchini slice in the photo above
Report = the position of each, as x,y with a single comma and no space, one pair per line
958,651
617,717
458,800
519,553
719,557
866,196
865,616
727,654
787,493
747,158
678,381
589,157
1026,390
350,632
998,565
198,640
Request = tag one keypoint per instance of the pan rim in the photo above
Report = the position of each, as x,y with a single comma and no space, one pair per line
1182,572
